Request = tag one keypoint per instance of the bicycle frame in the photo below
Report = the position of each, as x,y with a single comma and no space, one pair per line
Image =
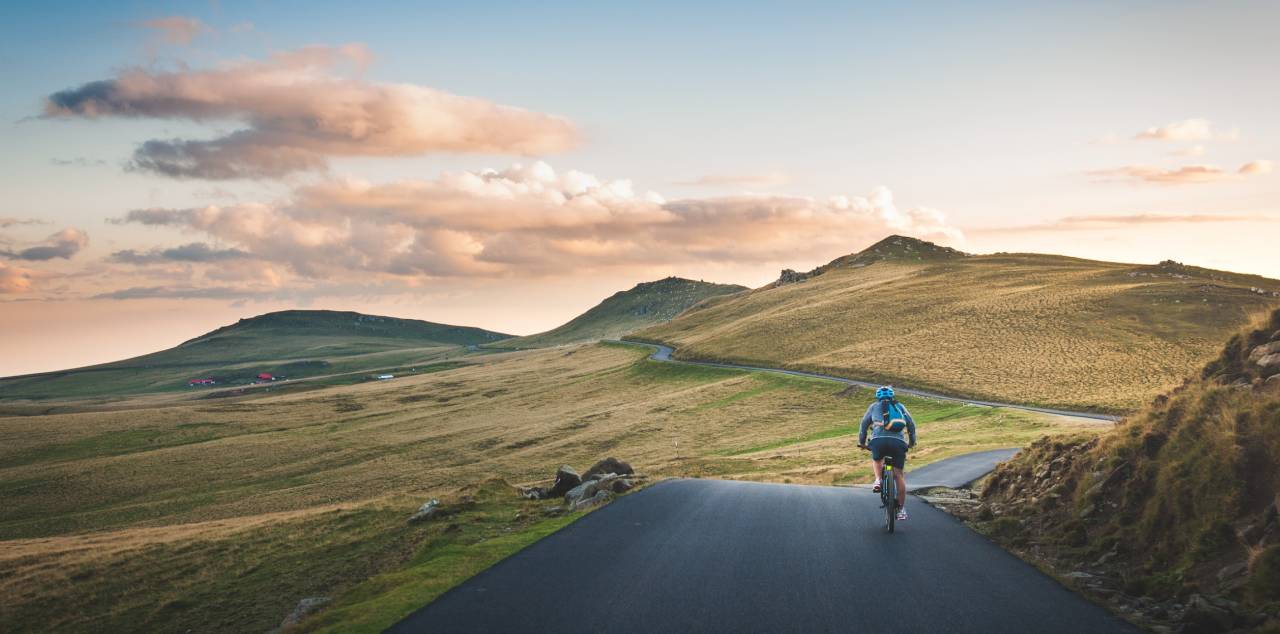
889,497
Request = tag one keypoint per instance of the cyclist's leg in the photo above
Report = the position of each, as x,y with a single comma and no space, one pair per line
900,474
877,459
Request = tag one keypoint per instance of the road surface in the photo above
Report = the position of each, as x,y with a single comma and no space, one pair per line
663,353
958,471
725,556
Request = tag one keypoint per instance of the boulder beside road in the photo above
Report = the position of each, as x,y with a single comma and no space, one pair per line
598,485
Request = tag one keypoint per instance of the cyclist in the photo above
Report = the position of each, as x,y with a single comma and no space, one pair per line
887,419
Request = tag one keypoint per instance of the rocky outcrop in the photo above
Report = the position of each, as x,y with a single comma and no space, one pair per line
425,512
604,480
305,608
608,465
791,276
566,479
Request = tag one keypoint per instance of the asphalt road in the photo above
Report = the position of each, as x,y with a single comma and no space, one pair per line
663,353
724,556
956,472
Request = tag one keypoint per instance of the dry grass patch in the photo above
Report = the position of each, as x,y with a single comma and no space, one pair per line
1035,329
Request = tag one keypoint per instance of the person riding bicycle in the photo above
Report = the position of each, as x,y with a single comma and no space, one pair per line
887,419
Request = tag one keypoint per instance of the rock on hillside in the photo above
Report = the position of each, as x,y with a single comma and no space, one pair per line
894,248
646,304
1173,515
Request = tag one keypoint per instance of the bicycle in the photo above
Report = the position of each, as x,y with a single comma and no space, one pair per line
888,494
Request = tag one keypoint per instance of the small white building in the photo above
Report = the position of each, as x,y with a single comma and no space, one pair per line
383,377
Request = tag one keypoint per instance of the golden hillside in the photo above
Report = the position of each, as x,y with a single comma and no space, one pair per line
1176,504
1041,329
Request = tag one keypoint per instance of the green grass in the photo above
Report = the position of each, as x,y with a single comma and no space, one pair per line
449,556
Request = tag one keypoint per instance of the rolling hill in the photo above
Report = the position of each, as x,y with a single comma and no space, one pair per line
293,344
1038,329
646,304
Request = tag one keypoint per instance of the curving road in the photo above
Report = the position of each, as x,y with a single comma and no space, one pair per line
663,353
725,556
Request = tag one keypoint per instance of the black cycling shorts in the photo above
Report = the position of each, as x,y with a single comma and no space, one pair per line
891,448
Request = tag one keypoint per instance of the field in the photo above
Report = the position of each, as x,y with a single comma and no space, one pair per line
646,304
202,515
1034,329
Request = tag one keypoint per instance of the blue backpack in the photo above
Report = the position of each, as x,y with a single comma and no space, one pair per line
893,416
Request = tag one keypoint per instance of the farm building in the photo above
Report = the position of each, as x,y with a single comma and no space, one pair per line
266,377
204,381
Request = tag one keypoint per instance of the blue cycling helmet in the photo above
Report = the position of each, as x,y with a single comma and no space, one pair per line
884,392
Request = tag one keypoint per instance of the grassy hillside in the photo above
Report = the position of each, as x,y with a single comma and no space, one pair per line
293,344
220,515
1179,500
1037,329
646,304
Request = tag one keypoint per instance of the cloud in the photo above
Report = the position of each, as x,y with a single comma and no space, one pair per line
1105,221
1256,167
1187,130
182,292
13,222
177,29
531,221
299,111
193,252
771,179
15,279
1189,174
62,244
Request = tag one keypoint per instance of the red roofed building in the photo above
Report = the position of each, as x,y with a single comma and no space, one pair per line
200,382
266,377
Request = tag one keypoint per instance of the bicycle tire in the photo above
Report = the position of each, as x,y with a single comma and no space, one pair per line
890,493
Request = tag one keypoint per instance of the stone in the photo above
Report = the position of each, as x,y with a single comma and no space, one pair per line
580,492
1265,350
426,512
601,497
608,465
1270,361
614,483
305,608
566,479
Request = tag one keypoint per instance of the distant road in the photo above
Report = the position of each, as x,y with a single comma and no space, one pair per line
725,556
663,353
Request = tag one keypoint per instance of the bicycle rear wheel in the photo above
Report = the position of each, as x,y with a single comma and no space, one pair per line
889,489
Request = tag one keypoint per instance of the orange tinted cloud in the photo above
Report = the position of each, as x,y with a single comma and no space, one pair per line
299,111
1189,174
531,221
1186,130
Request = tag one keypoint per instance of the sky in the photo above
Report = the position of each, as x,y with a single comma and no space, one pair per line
168,168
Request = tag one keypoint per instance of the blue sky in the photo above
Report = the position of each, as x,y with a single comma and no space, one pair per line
1001,116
